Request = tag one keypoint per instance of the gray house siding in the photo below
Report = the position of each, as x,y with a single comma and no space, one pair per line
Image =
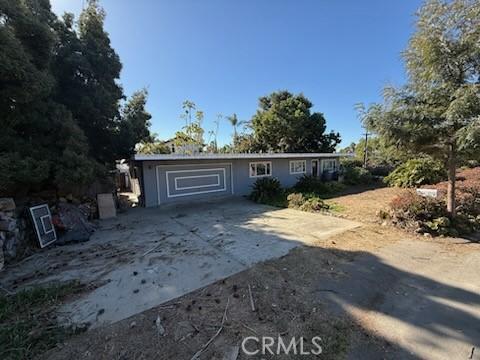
168,181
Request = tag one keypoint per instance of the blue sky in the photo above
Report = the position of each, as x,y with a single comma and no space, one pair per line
224,54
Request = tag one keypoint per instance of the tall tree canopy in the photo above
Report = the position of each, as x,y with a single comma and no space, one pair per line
284,123
59,98
438,110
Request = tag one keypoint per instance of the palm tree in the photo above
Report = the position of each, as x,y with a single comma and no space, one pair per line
234,121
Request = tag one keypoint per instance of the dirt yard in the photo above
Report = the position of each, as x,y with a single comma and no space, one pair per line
372,292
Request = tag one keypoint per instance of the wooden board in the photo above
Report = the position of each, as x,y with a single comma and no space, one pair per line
106,206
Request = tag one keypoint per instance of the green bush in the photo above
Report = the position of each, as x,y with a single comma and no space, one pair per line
417,172
315,185
350,163
266,189
357,176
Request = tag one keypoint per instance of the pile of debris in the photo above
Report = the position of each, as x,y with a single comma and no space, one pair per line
72,222
11,230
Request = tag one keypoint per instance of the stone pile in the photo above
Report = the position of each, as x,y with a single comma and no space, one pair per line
9,231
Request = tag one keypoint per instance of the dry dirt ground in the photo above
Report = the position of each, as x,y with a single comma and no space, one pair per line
373,292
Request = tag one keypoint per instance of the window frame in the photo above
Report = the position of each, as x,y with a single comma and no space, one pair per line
326,161
268,165
292,162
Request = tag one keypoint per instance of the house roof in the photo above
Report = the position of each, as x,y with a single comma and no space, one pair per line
207,156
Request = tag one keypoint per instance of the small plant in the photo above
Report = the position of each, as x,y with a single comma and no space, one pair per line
266,189
417,172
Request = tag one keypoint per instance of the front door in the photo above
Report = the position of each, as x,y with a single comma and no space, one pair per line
315,168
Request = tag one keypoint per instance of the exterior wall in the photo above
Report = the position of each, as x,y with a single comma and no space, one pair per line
237,177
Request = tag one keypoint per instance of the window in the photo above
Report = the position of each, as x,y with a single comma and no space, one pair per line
298,167
260,169
329,165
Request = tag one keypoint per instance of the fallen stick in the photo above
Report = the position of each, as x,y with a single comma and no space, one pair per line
249,328
156,246
252,304
199,352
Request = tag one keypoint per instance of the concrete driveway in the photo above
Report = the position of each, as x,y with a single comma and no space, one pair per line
179,249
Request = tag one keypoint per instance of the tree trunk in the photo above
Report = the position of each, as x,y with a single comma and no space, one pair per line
452,168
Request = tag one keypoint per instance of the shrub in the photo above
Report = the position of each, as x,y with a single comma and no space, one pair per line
306,202
295,200
380,170
429,215
313,184
356,176
266,189
350,163
417,172
314,204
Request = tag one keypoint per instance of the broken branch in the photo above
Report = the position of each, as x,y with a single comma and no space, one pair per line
199,352
252,304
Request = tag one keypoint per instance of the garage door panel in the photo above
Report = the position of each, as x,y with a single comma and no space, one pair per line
195,181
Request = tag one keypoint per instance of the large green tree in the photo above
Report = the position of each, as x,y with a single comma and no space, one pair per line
284,123
134,124
438,111
60,98
89,71
40,142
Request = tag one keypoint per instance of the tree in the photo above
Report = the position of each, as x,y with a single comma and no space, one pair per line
134,125
152,146
190,139
233,119
59,98
88,72
284,123
438,111
40,143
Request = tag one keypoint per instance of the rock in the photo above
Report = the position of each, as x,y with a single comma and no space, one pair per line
160,328
7,204
8,224
2,261
10,246
133,324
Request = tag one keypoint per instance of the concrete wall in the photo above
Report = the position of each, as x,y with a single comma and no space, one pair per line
237,177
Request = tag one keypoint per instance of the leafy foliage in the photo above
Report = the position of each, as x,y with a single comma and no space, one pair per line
438,111
60,98
417,172
266,189
355,175
284,123
429,215
314,185
153,147
306,202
